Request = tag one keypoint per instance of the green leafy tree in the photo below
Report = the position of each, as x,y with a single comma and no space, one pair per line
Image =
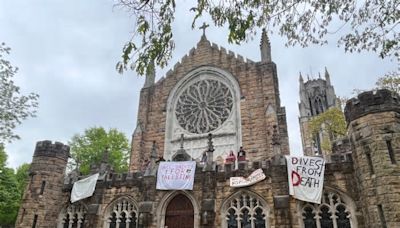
390,81
21,175
332,122
87,149
10,195
3,157
361,25
14,107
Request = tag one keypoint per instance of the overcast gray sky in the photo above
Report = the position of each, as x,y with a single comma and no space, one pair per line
67,51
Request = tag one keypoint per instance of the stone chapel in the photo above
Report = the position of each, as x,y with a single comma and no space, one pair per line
209,104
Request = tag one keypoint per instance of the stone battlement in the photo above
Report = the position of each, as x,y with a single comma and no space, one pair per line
341,146
222,172
48,149
371,102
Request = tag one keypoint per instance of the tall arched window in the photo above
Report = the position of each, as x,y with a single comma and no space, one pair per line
122,213
333,212
72,216
245,210
318,106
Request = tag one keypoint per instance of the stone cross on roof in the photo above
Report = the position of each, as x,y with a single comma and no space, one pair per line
204,26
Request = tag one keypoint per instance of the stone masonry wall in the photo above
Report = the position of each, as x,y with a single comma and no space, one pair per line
42,197
374,129
211,190
259,90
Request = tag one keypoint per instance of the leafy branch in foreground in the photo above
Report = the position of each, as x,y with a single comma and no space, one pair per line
363,25
14,107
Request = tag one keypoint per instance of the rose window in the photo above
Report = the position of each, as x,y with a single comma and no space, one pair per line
204,106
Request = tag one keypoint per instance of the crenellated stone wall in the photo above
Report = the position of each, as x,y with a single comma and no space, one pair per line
373,120
211,190
41,202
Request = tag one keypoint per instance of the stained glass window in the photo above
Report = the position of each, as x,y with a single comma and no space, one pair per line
332,212
204,106
342,214
308,217
245,211
122,214
73,216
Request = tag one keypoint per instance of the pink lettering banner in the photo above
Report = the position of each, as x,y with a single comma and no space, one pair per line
176,175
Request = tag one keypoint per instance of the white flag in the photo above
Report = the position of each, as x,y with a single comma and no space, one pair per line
306,177
176,175
84,188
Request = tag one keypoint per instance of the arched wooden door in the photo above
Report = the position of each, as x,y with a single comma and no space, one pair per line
180,213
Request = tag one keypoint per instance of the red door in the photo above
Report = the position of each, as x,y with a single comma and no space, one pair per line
179,213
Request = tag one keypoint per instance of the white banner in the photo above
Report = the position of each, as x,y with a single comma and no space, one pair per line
176,175
256,176
84,188
306,178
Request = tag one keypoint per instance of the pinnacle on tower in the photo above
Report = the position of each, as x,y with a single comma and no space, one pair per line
301,78
181,154
150,75
301,82
210,143
265,48
106,155
327,77
154,154
209,153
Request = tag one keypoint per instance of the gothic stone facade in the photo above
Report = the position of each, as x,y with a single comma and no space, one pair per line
361,187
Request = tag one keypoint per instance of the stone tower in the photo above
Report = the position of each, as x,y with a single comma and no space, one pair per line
373,120
316,96
42,200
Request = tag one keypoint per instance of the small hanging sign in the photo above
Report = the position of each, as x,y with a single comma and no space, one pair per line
256,176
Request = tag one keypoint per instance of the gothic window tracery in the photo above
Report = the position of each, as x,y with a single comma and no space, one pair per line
73,216
318,106
245,211
204,106
332,212
123,213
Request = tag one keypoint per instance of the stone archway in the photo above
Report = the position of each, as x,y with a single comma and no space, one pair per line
179,213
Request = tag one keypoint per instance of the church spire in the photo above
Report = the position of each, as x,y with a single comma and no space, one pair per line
150,75
265,47
327,77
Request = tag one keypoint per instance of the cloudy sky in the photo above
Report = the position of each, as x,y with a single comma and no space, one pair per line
67,50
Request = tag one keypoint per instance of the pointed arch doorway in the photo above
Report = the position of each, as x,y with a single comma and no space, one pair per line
179,213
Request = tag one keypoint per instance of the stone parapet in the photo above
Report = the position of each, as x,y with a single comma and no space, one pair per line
48,149
222,173
371,102
341,146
